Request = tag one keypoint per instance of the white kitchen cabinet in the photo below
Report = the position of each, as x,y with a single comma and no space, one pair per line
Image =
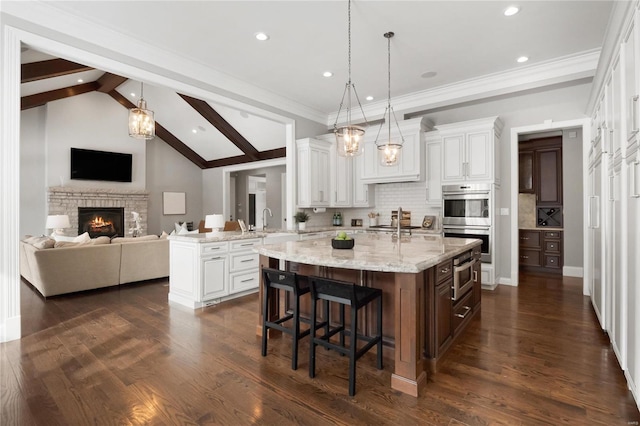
597,255
631,81
410,167
364,194
214,277
434,168
632,267
470,151
314,179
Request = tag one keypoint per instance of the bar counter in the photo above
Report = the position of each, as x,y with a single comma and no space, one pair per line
407,270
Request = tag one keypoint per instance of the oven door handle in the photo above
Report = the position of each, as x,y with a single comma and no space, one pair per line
464,266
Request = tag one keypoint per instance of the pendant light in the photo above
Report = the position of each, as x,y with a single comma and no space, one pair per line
349,136
142,125
389,150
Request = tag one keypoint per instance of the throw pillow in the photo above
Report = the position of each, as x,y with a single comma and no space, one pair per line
82,238
63,238
182,231
164,235
100,240
45,243
180,227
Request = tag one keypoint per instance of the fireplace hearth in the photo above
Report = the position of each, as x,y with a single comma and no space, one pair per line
101,221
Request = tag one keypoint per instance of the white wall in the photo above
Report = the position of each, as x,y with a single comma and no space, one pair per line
573,194
33,166
92,121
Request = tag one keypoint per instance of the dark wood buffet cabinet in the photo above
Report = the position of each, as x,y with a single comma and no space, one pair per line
541,250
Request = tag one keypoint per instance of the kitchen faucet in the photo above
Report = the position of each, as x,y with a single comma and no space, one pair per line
264,218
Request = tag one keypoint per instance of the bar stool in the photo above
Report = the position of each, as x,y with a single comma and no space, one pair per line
346,294
299,286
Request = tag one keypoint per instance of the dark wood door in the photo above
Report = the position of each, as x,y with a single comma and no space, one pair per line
526,181
549,176
444,312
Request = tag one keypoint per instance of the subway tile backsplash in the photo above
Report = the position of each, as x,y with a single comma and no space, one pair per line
410,196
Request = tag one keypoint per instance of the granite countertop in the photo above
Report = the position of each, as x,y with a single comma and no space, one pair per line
373,252
212,237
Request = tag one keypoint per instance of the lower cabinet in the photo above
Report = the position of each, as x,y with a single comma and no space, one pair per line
477,278
541,250
214,277
444,319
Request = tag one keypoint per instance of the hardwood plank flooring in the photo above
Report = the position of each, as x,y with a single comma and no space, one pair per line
534,356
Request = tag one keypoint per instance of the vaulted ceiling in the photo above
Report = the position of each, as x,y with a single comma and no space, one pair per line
465,48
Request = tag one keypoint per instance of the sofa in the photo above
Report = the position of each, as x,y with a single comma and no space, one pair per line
60,268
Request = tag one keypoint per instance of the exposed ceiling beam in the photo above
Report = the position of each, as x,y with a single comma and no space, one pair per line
51,68
205,110
109,82
165,135
240,159
40,99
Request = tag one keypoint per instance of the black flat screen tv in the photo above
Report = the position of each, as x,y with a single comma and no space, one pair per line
87,164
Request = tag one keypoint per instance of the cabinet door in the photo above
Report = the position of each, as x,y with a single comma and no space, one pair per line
479,163
320,178
341,181
444,315
549,176
370,159
363,193
434,171
631,69
525,170
214,276
453,158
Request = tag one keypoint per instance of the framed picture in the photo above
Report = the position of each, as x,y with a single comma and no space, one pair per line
243,226
174,203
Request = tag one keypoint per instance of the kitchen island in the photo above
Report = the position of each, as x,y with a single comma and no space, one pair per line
416,275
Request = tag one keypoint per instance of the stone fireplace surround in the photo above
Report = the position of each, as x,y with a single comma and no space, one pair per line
66,200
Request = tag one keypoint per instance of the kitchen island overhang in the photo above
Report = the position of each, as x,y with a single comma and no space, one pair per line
410,271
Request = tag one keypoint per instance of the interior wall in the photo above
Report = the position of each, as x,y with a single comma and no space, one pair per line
33,166
573,194
562,102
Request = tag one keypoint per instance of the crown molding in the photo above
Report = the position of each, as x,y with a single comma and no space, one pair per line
559,70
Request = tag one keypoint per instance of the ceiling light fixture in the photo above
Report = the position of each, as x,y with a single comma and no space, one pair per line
389,150
194,131
142,125
327,74
262,36
369,98
349,136
511,10
522,59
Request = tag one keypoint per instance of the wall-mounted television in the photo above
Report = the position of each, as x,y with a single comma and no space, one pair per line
87,164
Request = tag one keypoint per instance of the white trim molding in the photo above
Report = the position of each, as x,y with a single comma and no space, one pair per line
573,271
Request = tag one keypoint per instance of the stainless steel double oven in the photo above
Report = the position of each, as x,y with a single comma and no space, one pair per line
466,213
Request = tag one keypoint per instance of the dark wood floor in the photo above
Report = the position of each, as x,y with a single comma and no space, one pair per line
124,356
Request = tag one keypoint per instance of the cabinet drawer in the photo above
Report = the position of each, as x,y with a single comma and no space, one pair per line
244,281
242,261
548,235
245,244
552,246
551,261
530,239
462,311
444,270
212,248
529,257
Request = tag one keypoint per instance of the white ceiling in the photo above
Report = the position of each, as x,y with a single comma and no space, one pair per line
459,40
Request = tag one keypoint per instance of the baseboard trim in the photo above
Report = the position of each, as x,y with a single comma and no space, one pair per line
489,286
11,329
506,281
632,387
573,271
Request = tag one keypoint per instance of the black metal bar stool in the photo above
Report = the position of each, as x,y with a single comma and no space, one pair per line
299,286
345,294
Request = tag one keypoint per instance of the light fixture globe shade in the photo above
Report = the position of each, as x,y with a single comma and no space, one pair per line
214,221
350,140
389,154
142,124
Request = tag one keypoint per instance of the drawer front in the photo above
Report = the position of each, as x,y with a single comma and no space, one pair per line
245,244
551,261
529,257
244,281
462,311
240,262
213,248
444,270
530,239
552,235
552,246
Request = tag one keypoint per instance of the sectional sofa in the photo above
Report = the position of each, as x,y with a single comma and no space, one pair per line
59,268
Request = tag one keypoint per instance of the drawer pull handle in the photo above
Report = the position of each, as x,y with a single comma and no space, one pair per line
214,258
246,244
475,276
466,312
247,280
246,260
213,248
444,271
524,238
524,257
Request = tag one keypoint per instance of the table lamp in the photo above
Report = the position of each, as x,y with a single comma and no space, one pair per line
214,222
58,222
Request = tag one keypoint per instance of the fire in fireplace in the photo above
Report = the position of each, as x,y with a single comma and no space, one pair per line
101,221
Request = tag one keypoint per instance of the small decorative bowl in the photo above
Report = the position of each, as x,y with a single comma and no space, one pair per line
342,244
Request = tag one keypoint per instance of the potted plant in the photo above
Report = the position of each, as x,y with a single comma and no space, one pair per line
301,219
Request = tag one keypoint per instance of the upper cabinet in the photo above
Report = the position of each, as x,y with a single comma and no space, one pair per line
313,164
434,168
470,151
410,167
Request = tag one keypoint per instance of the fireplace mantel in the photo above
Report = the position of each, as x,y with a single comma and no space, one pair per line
67,199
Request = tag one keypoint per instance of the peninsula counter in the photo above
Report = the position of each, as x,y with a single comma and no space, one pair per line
415,273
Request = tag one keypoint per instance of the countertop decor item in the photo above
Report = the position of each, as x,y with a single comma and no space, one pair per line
301,218
342,244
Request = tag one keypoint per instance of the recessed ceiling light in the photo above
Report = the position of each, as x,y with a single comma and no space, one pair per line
80,80
133,95
522,59
262,36
194,131
511,10
327,74
369,98
429,74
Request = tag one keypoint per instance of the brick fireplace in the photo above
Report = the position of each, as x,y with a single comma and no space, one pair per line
68,200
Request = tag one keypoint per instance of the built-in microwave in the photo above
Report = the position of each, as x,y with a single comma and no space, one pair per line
466,205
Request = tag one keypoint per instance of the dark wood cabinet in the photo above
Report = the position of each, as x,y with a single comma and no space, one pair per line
526,181
444,329
548,176
477,278
541,250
